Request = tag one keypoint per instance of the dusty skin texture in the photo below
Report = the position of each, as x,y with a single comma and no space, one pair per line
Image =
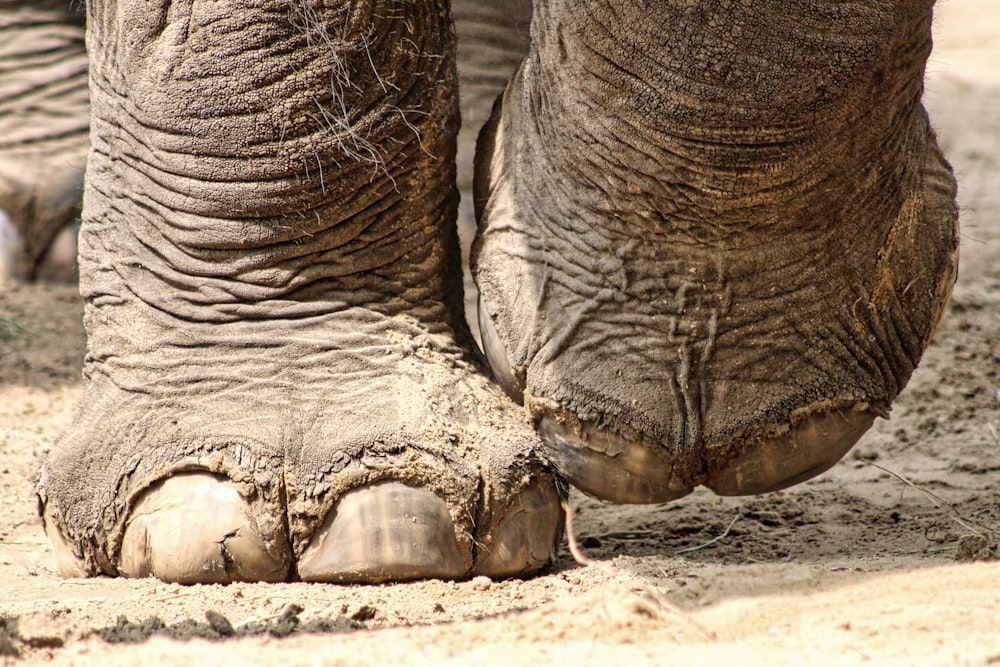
852,565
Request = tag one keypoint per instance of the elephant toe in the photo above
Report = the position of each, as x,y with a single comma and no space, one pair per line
525,537
394,532
809,448
386,532
609,466
67,562
196,528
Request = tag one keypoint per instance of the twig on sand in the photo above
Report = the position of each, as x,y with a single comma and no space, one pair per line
655,596
174,594
993,430
712,541
264,618
10,328
622,535
941,503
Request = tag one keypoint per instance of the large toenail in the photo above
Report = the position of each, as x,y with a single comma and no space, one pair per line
609,466
385,532
196,528
496,356
526,538
809,448
67,562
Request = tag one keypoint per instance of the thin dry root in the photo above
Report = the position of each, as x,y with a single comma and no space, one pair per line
655,597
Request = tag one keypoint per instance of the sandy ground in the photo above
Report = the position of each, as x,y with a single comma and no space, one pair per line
863,564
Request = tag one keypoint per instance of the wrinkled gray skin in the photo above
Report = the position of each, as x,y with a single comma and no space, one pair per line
493,37
43,143
43,155
713,242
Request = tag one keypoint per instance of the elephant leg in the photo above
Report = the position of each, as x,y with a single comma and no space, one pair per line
43,138
714,238
492,40
280,381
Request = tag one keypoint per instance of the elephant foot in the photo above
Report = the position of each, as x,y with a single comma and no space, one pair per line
57,262
281,382
631,469
11,251
606,465
677,296
197,528
407,469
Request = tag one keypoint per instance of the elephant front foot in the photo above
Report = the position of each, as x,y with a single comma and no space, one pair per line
355,488
281,382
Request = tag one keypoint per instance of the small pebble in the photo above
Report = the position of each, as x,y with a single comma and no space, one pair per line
219,623
973,547
364,613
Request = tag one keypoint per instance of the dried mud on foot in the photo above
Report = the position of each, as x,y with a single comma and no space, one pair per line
866,562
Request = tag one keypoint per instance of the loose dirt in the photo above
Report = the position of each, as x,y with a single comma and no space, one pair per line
890,557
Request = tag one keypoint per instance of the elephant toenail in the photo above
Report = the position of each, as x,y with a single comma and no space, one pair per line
526,537
197,528
386,532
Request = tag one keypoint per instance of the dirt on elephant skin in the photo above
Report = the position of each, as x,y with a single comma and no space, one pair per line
890,557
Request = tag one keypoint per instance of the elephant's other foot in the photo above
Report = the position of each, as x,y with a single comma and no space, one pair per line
45,115
626,470
631,469
685,277
57,261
